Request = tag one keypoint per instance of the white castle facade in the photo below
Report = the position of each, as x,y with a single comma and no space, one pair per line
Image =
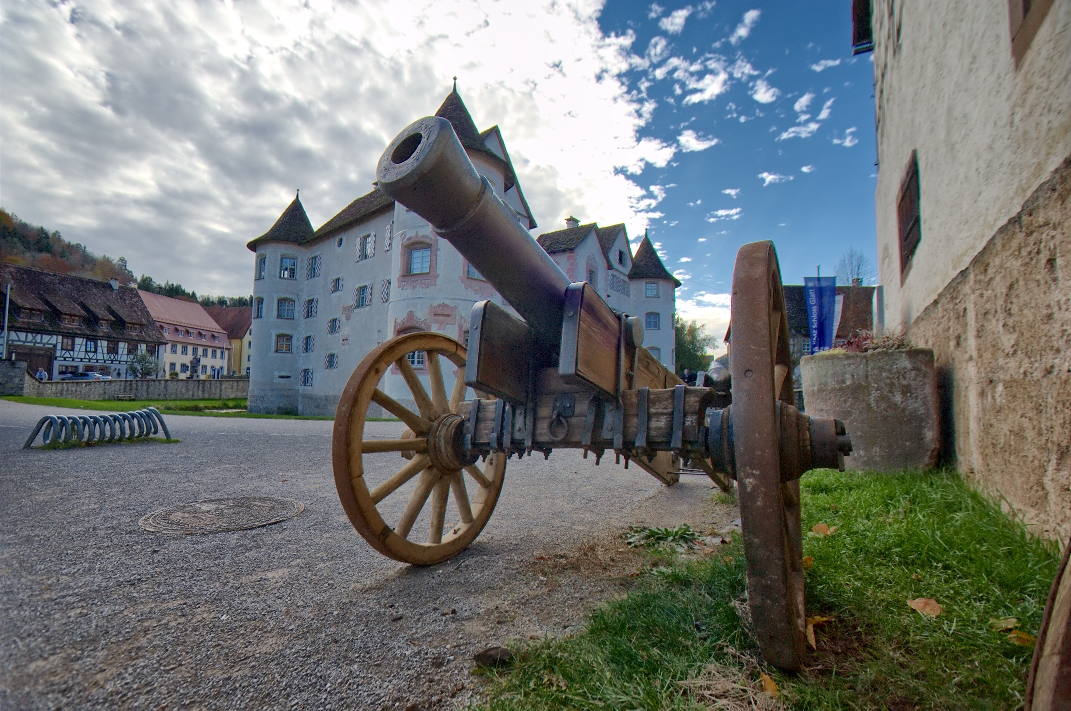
322,299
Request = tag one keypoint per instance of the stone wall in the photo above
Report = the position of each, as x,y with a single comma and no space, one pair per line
139,389
1001,334
12,377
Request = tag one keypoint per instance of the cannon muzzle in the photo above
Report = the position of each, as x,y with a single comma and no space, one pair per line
426,169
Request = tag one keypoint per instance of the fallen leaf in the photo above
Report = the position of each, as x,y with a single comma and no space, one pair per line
1003,625
769,685
822,529
727,559
808,562
1022,638
925,605
813,622
916,576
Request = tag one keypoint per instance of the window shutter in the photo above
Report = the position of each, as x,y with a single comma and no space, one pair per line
372,245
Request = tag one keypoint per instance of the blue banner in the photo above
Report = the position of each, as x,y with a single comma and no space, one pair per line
821,293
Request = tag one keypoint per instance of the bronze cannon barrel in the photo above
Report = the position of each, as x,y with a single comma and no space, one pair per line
426,169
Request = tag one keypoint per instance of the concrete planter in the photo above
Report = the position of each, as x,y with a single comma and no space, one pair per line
886,399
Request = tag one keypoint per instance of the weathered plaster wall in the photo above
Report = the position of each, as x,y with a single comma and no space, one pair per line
163,389
987,133
1001,334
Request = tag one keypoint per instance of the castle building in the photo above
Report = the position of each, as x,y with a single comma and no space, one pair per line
322,299
197,347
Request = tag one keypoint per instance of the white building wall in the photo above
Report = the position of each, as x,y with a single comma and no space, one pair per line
987,133
664,304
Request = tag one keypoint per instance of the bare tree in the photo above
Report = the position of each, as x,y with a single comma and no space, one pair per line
855,269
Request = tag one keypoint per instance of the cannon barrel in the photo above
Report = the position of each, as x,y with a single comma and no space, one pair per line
425,168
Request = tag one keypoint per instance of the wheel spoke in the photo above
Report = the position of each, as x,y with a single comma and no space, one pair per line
418,464
780,373
461,497
416,423
416,502
438,512
372,446
420,395
475,473
459,389
438,389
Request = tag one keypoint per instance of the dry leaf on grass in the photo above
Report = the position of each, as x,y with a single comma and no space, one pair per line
769,686
1022,638
808,562
723,687
925,605
1005,624
821,529
813,622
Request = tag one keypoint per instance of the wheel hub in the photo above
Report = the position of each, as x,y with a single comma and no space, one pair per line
446,443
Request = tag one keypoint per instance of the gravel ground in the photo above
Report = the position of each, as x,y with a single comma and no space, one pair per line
96,612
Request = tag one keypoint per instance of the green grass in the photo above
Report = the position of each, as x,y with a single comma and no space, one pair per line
898,537
168,407
138,440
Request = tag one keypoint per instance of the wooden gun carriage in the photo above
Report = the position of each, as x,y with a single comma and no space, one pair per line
566,371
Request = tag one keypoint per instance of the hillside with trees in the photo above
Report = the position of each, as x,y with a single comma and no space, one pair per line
34,246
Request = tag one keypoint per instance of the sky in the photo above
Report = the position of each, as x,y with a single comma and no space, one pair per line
173,133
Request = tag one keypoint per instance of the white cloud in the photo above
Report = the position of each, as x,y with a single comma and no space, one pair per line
763,92
194,130
707,88
849,140
768,178
654,11
804,131
825,64
685,259
725,214
702,239
697,202
674,22
807,169
802,103
690,141
827,109
657,49
682,275
744,28
732,192
712,311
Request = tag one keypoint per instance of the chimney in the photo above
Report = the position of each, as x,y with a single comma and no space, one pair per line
571,222
114,283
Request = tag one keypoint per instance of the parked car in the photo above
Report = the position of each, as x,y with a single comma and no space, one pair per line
85,376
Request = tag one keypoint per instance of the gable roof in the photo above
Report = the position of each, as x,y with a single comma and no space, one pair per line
292,226
53,295
566,239
179,312
647,265
608,235
497,133
362,207
235,320
453,110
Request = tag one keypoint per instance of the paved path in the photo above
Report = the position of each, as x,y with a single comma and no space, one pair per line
97,613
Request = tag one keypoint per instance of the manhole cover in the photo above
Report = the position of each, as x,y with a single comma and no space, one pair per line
222,515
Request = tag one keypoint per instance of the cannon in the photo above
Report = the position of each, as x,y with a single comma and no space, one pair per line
563,370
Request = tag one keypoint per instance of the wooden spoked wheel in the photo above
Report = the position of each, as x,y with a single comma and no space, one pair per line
428,474
761,366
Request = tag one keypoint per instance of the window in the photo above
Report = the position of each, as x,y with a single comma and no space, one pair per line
312,267
652,320
366,246
215,338
910,220
306,378
650,290
164,329
591,278
362,296
204,370
331,361
416,359
283,343
171,367
473,274
91,346
384,291
420,260
284,308
185,367
621,257
66,343
203,336
131,348
258,308
308,343
111,347
174,348
309,308
656,352
333,325
204,352
619,284
262,266
336,284
338,242
213,352
185,350
288,267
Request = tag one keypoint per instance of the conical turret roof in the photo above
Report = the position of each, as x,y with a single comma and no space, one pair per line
292,226
647,265
453,109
